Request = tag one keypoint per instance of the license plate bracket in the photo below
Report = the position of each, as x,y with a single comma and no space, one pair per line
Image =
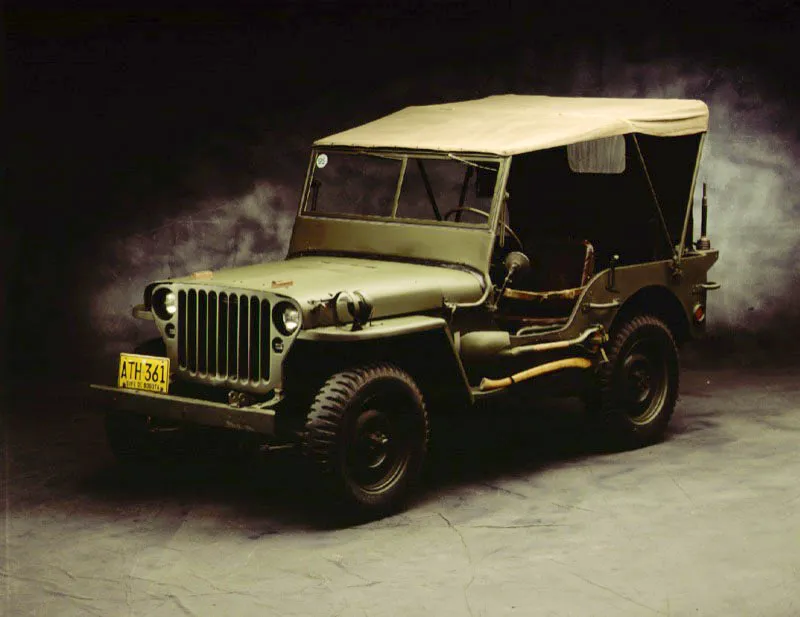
140,372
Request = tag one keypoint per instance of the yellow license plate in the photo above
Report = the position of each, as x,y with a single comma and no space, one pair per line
143,372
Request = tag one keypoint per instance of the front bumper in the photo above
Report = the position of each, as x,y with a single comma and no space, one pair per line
196,411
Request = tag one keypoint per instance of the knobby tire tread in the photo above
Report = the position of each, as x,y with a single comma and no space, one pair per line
326,417
603,406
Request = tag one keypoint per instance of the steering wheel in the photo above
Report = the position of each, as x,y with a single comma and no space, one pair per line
486,214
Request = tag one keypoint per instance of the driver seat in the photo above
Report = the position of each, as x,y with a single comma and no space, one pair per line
546,296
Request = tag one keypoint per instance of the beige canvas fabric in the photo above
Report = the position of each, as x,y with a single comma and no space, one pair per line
511,124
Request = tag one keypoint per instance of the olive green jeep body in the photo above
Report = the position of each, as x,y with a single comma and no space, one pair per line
442,256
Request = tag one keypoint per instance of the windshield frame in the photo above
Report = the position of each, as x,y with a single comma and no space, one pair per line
403,156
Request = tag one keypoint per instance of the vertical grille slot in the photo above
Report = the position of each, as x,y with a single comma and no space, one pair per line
202,332
224,336
254,371
182,329
266,323
191,327
242,366
233,336
213,341
222,341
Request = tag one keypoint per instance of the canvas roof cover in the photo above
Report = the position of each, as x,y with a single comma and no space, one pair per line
512,124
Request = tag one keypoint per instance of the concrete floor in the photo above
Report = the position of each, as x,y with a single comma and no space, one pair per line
527,519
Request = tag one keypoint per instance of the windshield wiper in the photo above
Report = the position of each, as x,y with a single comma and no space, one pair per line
470,163
388,157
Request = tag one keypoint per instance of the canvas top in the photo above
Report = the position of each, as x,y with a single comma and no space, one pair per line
512,124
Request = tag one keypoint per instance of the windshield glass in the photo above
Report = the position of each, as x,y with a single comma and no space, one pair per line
451,189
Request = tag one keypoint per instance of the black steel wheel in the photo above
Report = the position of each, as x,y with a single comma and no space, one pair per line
637,389
367,431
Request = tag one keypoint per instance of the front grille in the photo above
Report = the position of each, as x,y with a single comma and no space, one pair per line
224,335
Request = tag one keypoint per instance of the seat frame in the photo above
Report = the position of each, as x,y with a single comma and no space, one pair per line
561,296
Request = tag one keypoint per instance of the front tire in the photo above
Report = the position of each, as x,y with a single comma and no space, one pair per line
367,431
637,388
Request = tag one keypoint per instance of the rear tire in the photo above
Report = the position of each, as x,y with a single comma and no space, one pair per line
636,390
367,432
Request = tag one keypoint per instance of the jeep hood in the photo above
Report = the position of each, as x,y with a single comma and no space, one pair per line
393,288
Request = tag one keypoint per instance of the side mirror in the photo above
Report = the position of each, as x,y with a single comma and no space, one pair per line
516,262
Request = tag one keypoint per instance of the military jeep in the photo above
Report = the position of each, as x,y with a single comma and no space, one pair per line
442,256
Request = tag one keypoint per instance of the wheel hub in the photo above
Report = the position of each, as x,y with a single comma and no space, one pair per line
376,449
644,382
373,452
639,378
379,447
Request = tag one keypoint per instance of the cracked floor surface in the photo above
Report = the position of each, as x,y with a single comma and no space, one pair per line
519,515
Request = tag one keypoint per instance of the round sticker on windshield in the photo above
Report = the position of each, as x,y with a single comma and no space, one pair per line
322,160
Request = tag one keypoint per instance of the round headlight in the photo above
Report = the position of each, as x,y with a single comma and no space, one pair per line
171,303
291,319
287,318
165,303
